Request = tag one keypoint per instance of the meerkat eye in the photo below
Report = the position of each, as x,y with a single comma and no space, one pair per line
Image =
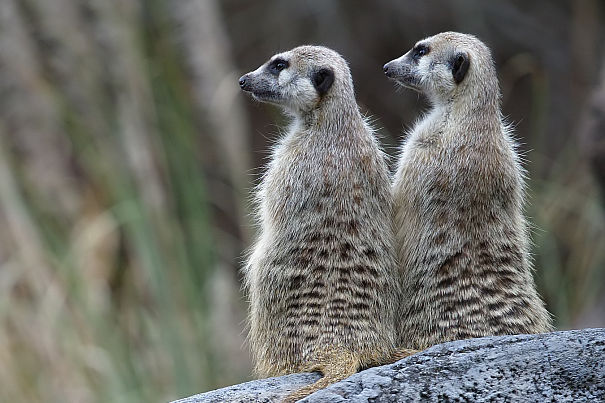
419,51
278,65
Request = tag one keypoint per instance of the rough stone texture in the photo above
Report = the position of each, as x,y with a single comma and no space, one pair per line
564,366
263,390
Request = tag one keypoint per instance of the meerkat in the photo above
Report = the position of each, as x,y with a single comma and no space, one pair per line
461,237
322,278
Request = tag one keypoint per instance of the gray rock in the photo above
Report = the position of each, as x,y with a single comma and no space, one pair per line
263,390
564,366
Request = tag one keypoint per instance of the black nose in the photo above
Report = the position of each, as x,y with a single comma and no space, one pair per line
242,81
385,68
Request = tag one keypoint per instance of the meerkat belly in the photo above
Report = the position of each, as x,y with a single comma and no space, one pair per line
318,281
414,172
327,286
470,290
467,270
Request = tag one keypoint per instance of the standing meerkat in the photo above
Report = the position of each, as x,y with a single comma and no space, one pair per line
322,276
461,237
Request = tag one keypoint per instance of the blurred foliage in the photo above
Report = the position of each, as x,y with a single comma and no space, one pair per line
127,154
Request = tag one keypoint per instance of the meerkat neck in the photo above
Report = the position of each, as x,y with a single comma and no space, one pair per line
335,116
468,114
472,110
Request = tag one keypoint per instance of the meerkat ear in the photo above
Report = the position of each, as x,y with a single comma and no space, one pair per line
322,80
460,64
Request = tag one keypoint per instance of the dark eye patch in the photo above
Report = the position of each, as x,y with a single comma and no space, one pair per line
278,65
419,51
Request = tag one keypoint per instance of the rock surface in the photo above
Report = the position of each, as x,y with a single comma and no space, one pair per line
566,366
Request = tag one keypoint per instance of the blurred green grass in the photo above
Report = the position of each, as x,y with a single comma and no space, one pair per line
109,301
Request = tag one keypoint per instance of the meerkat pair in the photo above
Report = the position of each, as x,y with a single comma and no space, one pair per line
326,290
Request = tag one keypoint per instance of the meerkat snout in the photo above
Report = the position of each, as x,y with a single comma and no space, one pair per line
261,86
401,70
244,82
389,69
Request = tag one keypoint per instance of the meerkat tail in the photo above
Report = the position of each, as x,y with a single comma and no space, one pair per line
400,354
338,364
388,358
334,364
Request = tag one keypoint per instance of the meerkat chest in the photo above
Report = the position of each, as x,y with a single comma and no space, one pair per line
306,179
420,160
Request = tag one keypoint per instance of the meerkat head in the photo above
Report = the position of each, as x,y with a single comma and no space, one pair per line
300,79
446,66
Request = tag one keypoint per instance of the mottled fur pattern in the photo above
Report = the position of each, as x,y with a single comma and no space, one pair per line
322,276
461,236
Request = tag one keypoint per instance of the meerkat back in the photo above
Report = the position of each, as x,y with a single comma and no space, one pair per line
461,237
322,275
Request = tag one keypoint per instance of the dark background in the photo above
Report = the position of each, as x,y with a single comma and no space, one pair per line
128,155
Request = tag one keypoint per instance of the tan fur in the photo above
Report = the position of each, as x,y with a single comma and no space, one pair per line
461,236
322,277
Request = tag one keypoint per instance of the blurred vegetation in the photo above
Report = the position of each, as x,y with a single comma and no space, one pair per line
127,155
